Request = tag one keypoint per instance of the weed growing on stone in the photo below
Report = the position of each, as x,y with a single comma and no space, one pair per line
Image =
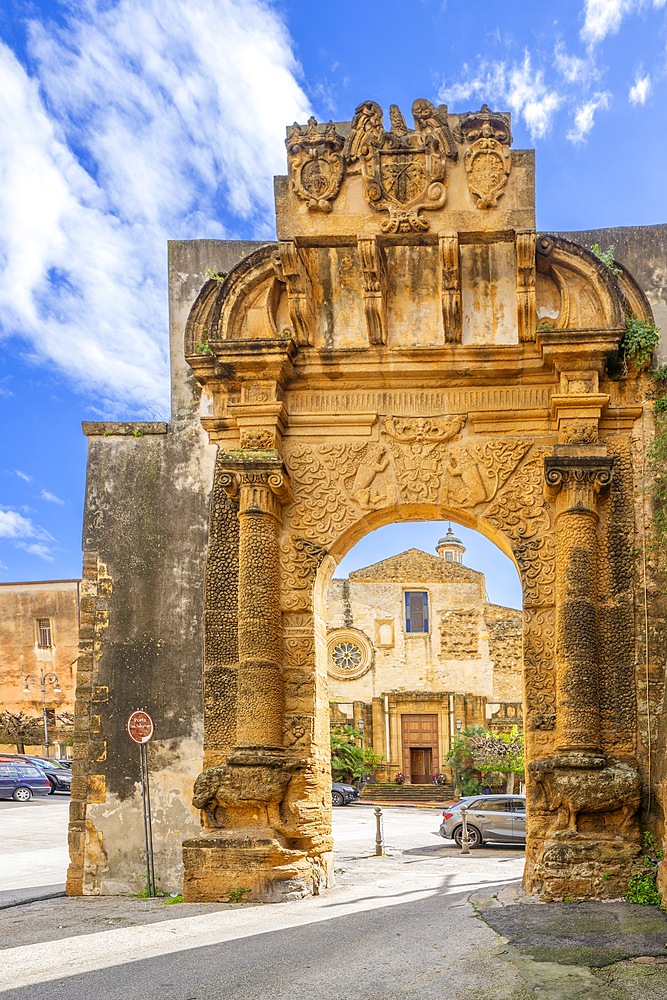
642,887
606,257
639,341
173,898
203,347
236,895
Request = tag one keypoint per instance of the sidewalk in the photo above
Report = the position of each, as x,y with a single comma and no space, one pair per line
418,923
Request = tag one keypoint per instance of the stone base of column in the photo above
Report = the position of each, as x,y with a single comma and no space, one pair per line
220,865
560,869
583,826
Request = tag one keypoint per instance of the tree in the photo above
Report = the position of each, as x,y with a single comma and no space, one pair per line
461,758
502,752
477,750
350,759
19,729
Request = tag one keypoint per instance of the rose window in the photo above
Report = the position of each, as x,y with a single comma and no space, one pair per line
347,655
350,653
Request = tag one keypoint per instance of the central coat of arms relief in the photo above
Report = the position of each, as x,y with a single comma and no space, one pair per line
404,170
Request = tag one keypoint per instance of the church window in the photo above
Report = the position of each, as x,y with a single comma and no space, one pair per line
449,556
416,611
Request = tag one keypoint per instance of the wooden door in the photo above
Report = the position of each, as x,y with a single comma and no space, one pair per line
419,738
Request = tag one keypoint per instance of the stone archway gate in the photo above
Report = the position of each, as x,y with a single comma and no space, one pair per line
413,349
409,349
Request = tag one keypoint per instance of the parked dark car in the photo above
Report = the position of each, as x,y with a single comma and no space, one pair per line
491,819
60,778
20,780
342,795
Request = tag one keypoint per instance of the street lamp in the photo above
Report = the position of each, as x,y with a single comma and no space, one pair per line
43,679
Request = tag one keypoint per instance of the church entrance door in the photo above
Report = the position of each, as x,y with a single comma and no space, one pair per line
420,747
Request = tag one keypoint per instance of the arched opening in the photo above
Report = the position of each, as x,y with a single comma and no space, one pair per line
420,634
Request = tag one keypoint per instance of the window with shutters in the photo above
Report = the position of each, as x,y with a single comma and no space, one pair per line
44,633
416,611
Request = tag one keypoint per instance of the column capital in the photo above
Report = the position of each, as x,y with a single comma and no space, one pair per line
575,481
262,485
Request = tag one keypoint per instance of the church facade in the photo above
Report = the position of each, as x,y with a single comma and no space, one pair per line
416,652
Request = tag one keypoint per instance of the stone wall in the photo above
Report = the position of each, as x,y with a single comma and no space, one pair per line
145,546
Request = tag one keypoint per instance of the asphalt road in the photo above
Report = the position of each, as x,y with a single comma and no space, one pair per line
394,926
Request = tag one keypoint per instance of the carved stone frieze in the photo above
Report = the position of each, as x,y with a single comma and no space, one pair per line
488,159
475,472
539,630
300,558
315,163
419,447
320,509
521,511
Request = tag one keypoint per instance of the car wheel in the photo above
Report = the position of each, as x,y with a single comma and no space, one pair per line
337,798
474,836
22,794
53,786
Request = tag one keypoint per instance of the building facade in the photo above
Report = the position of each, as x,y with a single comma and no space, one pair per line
416,652
39,649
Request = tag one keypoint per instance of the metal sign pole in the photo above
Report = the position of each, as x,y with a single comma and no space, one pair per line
147,812
140,729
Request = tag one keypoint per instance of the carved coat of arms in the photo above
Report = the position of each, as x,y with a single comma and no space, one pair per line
404,169
488,159
316,163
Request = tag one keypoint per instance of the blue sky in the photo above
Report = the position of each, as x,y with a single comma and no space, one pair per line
124,123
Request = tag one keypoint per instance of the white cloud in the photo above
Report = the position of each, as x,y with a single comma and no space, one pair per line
517,86
640,90
135,128
603,17
572,68
51,497
15,525
584,116
36,549
23,475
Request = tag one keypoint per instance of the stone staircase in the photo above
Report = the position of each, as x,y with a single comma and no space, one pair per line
407,793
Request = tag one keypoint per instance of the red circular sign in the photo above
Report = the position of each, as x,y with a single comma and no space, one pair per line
140,727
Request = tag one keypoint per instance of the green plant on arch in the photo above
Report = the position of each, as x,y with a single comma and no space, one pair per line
639,341
606,257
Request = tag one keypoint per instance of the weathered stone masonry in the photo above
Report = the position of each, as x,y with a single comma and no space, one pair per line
408,349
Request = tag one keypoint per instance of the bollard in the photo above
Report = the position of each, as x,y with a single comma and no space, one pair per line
465,845
378,832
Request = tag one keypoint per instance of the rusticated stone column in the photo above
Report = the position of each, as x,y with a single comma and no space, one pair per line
260,703
575,482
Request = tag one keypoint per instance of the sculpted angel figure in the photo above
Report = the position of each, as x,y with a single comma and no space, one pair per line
367,133
433,125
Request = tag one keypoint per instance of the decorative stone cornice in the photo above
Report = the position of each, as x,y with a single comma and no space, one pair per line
575,481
